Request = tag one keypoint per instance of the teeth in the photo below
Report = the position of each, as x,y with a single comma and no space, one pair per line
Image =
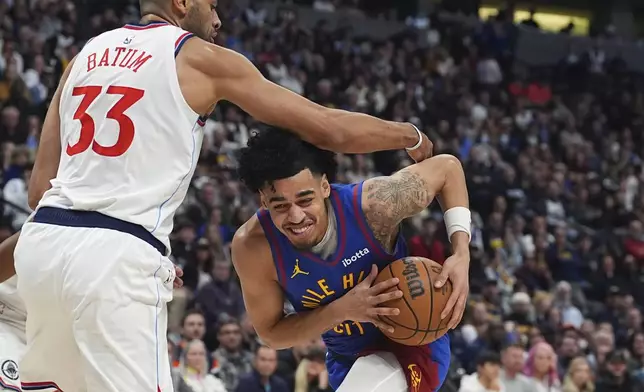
300,230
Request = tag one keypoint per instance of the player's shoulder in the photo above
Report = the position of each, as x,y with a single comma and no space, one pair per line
214,60
251,252
250,237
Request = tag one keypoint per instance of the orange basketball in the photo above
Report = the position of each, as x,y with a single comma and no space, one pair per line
419,321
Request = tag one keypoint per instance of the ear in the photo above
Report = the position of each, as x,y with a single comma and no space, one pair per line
262,200
181,6
326,187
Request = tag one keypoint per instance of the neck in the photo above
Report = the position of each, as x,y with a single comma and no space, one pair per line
486,382
510,373
158,16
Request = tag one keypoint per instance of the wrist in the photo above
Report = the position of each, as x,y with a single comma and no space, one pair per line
409,136
334,312
419,139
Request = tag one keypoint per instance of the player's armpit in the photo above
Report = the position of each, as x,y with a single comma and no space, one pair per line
7,269
49,149
264,298
236,79
387,201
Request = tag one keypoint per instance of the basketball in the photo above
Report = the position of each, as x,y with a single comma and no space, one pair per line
421,305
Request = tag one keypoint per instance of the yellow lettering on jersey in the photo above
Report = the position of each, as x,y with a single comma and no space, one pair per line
347,281
325,288
310,305
361,276
313,293
347,327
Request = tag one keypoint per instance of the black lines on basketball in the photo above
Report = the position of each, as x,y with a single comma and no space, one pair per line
431,301
418,322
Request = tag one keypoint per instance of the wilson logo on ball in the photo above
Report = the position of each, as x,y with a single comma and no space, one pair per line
414,283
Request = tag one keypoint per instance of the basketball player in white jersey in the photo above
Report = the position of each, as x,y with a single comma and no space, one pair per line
118,149
12,324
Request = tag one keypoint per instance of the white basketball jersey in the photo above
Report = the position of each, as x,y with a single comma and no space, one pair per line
130,142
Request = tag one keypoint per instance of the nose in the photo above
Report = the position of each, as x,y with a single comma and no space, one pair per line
216,22
296,214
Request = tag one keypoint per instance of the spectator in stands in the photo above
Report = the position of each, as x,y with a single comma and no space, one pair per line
193,327
487,375
541,367
311,375
194,369
513,362
177,379
262,378
231,360
221,298
578,377
615,376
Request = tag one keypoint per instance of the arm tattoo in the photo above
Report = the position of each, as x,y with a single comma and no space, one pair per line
389,200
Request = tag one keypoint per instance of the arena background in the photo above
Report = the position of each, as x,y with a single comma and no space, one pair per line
545,110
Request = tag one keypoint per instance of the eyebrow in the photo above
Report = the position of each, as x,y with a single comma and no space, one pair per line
307,192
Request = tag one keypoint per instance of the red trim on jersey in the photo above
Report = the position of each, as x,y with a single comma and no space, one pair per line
181,38
37,386
10,387
151,25
271,236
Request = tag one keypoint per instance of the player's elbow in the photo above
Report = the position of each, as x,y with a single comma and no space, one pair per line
274,341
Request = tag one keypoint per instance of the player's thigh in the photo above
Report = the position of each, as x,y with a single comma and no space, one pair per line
12,348
51,360
378,372
120,325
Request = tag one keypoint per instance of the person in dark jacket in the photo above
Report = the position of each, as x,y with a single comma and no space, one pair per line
263,378
615,377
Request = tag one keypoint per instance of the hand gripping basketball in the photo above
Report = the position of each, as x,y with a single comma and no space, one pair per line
361,304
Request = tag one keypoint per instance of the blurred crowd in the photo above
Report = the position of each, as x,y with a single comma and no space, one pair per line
552,156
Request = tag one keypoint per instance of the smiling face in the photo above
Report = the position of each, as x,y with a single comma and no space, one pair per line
297,207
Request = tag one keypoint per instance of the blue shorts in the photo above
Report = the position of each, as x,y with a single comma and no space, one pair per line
431,361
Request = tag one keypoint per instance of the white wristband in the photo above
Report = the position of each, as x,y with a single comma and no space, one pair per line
420,139
458,219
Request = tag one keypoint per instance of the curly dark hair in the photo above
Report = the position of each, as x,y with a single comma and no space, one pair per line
274,154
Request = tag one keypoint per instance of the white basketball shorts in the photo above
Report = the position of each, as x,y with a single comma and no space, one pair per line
12,347
96,304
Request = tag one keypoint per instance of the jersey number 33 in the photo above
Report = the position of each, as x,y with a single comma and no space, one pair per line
129,97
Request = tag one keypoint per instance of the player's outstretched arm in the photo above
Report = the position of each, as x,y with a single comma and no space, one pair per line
236,79
7,269
48,154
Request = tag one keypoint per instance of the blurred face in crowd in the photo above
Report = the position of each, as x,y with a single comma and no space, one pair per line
489,371
543,359
634,319
230,336
513,359
617,367
196,355
297,207
579,371
569,347
266,361
194,327
638,345
221,271
200,18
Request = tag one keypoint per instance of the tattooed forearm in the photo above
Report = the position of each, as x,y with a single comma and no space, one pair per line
389,200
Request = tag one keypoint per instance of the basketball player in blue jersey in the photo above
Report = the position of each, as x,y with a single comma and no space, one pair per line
321,245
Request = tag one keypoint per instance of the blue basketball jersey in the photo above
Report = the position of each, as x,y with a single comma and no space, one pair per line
310,281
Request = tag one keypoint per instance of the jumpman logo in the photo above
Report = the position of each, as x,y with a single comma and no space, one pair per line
297,271
415,378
